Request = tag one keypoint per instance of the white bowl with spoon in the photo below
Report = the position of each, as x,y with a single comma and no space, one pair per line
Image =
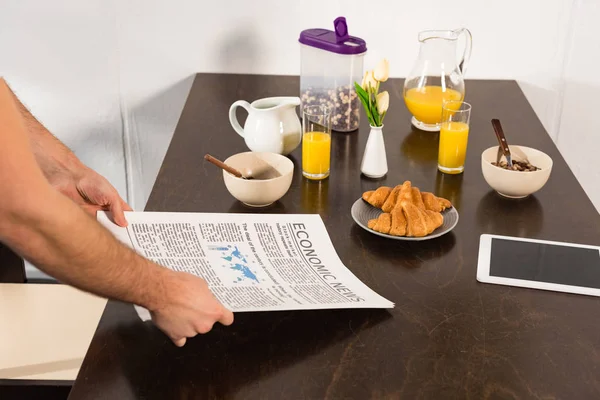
256,179
526,175
516,184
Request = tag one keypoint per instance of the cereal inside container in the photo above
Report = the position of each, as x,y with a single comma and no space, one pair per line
331,61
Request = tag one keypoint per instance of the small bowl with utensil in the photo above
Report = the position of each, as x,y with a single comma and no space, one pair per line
256,179
514,171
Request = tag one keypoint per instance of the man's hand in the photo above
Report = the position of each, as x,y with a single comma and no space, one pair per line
68,174
92,192
188,308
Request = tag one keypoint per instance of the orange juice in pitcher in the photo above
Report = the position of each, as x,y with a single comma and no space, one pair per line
425,103
436,77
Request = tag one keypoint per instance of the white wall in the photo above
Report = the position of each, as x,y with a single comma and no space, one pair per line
579,138
99,71
60,57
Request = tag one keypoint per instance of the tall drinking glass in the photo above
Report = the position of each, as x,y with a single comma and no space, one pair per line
454,135
316,142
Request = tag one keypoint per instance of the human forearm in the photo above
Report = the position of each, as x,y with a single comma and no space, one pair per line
54,158
64,242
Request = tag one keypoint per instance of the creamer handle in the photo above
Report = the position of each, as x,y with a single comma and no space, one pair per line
233,118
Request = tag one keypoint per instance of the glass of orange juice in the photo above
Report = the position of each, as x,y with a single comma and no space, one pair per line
454,135
316,142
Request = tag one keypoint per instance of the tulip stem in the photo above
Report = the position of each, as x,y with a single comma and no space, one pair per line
378,118
375,112
372,105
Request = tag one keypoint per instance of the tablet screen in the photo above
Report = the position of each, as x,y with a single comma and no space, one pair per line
541,262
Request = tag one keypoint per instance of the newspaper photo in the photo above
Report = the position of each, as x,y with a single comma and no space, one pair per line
251,262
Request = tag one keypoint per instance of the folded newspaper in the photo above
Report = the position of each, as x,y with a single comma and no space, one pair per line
251,262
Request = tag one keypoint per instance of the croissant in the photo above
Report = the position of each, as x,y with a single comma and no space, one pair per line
418,199
444,202
398,227
434,203
437,218
382,224
393,223
405,193
406,210
376,198
390,202
416,225
419,222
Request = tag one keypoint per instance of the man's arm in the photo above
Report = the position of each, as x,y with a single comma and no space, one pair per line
48,229
53,157
67,173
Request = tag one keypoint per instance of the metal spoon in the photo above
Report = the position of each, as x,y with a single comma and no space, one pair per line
519,155
503,143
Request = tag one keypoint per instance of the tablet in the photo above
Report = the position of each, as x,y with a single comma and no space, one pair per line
539,264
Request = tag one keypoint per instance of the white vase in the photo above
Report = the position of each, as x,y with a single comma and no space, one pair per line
374,162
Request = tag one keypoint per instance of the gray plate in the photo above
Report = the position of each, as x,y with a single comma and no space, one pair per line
362,212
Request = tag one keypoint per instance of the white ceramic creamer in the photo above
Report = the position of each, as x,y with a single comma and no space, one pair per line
272,124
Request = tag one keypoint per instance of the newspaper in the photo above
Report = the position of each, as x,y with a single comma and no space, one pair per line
251,262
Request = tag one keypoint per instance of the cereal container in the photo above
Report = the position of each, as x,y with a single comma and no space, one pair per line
331,61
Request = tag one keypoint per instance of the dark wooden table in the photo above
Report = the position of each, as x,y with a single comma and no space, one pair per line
449,336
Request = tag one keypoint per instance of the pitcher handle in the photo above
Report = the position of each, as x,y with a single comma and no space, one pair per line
467,52
233,118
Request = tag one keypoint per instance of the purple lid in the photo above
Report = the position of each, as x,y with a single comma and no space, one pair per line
337,41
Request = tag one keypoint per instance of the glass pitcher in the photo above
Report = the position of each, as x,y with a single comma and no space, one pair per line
437,76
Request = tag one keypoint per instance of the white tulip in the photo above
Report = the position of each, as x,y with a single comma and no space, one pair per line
383,102
368,80
364,80
382,71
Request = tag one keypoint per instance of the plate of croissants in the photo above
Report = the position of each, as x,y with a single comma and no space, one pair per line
404,213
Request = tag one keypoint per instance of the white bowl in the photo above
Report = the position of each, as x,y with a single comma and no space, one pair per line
516,184
259,192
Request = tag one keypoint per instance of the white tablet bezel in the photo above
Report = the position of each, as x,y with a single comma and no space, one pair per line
483,267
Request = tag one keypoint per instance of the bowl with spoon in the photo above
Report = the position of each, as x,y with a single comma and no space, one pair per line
514,171
257,179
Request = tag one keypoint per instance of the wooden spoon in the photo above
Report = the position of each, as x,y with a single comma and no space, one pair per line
226,167
503,149
502,141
